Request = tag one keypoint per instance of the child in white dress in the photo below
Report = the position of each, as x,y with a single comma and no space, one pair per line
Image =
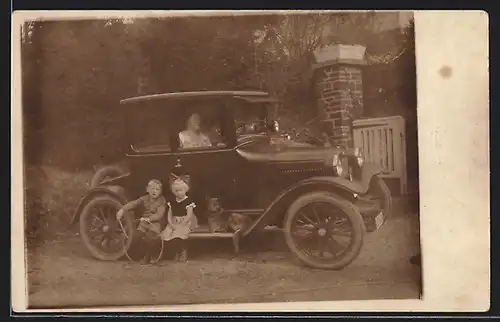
181,218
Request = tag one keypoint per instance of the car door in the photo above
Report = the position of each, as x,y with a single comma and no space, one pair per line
213,168
211,171
152,145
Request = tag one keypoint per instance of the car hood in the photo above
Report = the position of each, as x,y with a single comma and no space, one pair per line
284,150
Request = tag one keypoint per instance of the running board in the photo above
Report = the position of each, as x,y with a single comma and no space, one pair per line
248,212
201,233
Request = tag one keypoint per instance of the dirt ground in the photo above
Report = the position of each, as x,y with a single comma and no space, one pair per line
62,274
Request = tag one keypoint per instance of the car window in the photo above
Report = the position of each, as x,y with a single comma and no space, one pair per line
150,132
203,128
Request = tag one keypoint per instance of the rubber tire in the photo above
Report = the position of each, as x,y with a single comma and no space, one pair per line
84,217
106,171
347,207
378,183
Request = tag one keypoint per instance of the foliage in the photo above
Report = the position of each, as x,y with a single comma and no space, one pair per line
390,80
287,49
51,197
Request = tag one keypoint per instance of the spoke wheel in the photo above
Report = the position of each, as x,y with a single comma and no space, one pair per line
101,232
324,231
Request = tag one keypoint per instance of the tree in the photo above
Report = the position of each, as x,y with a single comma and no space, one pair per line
286,51
74,76
197,53
390,79
83,68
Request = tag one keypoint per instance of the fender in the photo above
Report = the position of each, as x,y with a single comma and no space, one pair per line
342,186
117,181
367,172
116,192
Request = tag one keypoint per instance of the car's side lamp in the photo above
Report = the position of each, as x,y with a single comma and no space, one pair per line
274,126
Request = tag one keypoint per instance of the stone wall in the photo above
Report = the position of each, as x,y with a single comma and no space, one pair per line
339,100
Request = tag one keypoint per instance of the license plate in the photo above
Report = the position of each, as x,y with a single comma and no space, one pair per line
379,220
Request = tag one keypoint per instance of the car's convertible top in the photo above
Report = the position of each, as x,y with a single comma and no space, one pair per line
249,96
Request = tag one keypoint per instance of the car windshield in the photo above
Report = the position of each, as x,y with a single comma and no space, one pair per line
250,118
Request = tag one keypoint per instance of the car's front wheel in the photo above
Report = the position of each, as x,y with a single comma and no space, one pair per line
324,230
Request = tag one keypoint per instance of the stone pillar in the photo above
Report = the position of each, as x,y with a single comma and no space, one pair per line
339,89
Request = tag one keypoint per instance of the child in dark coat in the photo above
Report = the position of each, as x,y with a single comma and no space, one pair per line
153,210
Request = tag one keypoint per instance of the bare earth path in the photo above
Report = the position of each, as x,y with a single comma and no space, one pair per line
61,274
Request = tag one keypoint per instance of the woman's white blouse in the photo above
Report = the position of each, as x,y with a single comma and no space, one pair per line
190,139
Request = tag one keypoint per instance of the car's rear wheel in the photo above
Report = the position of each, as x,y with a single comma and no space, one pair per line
101,232
324,231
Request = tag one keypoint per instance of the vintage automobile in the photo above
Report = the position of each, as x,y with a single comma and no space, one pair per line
323,199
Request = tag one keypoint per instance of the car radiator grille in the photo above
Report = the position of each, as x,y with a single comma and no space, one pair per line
302,170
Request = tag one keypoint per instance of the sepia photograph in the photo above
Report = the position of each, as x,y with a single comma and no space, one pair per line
220,158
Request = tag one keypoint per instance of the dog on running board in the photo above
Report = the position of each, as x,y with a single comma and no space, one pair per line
220,220
217,218
238,221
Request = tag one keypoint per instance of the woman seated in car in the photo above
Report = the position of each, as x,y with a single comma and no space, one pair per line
192,137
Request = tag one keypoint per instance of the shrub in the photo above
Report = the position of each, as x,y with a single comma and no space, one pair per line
51,197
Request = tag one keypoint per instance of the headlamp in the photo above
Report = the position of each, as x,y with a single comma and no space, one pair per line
337,165
276,126
359,157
